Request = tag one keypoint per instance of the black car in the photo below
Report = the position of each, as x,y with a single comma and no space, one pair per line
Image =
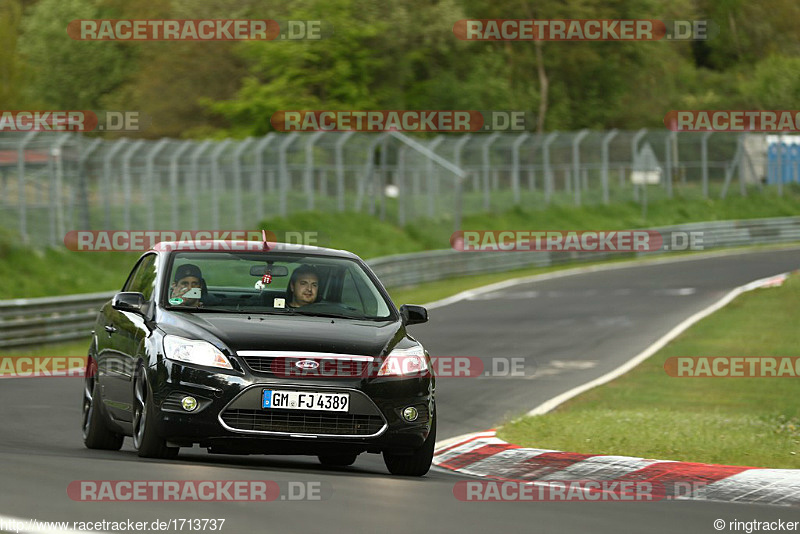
260,348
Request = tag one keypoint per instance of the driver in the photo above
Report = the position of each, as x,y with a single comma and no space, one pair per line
303,287
187,277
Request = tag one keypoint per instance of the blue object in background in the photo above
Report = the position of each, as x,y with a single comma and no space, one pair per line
782,166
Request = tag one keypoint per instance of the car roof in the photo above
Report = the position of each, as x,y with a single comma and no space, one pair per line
211,246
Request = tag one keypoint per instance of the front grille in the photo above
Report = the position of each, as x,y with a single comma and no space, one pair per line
303,422
328,367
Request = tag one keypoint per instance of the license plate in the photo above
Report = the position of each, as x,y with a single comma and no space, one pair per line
305,400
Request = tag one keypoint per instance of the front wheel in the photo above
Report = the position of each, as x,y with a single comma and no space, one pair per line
415,464
145,440
96,434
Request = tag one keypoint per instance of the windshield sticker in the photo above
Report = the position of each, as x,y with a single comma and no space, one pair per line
176,301
279,303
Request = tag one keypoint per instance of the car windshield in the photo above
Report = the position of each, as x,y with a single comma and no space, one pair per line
273,283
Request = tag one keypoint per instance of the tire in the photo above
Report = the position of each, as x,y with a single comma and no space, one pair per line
145,440
415,464
338,460
96,434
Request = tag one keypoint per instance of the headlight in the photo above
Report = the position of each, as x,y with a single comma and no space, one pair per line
405,362
196,352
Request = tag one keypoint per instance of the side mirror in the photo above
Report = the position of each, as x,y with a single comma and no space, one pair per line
128,301
412,314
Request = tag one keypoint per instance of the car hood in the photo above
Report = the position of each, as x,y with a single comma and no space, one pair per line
295,333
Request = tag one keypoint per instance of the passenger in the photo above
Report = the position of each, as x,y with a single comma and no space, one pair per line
187,277
303,287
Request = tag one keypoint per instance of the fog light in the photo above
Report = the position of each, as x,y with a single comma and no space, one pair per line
189,403
410,414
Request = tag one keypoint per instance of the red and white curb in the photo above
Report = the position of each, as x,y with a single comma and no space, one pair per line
484,455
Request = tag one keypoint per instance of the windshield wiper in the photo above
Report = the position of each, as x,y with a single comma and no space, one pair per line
313,313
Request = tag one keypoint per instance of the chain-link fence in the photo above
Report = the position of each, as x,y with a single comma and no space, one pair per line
53,183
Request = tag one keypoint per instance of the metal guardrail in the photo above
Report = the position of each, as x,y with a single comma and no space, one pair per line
55,319
48,320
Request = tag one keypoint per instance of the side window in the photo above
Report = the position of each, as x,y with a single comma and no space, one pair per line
357,295
350,296
143,279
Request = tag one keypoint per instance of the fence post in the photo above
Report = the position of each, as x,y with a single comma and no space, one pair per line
634,151
432,180
308,175
107,180
21,196
258,175
283,173
173,183
515,166
576,163
383,175
742,184
150,181
486,164
127,186
779,165
635,144
704,160
604,165
57,211
237,180
216,178
340,185
195,159
548,172
400,177
668,164
83,183
367,174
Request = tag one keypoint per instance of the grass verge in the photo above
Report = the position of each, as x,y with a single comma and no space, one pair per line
646,413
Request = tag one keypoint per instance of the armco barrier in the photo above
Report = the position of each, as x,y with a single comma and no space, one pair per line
54,319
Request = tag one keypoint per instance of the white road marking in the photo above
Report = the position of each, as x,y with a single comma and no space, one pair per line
649,351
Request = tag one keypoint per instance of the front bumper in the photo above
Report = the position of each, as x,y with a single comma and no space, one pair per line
229,417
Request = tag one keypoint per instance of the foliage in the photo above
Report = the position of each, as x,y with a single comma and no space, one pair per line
399,55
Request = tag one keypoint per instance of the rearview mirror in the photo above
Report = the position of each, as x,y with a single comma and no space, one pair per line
128,301
277,270
413,314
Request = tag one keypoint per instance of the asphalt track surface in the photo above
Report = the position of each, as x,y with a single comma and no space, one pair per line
569,330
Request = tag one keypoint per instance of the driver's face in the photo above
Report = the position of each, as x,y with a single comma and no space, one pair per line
305,289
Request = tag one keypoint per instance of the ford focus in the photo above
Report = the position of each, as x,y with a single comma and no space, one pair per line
260,348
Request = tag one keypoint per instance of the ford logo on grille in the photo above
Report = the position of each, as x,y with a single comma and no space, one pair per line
306,364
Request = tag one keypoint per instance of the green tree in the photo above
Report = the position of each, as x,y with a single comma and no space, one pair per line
65,73
10,66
